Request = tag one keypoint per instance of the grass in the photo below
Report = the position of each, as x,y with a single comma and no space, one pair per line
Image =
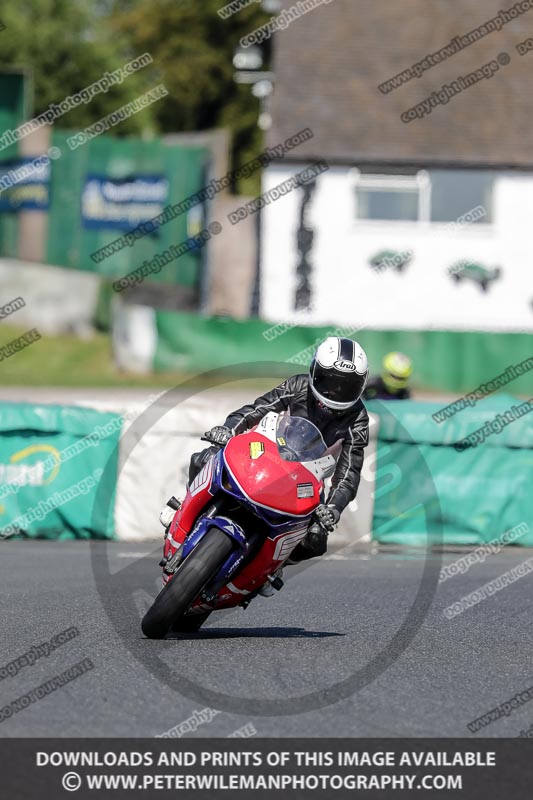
69,361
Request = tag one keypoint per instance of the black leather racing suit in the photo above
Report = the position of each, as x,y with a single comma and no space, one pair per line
351,427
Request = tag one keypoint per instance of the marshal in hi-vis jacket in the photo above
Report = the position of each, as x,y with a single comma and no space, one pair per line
350,426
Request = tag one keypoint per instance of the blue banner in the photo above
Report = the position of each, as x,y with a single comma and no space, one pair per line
24,185
122,204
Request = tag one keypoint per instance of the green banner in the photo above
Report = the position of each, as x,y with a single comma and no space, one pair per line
425,486
443,360
52,459
14,108
71,243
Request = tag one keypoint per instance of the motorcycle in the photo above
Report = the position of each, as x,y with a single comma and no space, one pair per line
242,517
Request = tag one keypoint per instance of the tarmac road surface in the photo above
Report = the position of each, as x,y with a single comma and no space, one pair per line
333,619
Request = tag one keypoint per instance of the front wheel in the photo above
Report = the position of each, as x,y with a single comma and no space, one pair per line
190,623
192,575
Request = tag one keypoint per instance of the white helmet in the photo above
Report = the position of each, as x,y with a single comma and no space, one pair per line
338,373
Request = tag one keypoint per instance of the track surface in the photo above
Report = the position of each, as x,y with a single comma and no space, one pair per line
329,620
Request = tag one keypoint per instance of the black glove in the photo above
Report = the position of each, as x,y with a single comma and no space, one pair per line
219,435
327,517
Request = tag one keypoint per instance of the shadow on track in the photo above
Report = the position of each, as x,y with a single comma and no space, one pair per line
254,633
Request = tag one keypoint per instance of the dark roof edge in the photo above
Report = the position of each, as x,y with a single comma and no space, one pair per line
420,164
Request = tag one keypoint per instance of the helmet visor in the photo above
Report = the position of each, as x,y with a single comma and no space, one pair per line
345,388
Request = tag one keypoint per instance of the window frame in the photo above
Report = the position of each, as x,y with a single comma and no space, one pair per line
419,181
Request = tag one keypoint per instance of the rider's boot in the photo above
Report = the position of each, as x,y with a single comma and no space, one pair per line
170,547
313,545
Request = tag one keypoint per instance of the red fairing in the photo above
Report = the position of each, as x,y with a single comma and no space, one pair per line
254,464
197,497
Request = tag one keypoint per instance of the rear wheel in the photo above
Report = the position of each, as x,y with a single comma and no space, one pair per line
192,575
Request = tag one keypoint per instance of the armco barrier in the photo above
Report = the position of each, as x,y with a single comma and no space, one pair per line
51,461
474,496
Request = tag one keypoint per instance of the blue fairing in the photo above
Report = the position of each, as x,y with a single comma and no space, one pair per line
233,530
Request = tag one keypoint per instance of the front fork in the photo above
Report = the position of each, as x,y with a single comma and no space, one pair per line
172,560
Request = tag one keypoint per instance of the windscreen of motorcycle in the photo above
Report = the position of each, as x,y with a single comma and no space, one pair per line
298,439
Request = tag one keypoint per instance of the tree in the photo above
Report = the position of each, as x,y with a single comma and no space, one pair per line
193,48
67,45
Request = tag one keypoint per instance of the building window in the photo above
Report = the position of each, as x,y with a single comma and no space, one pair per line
392,197
424,196
456,192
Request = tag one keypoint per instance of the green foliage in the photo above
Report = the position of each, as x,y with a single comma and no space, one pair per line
68,44
193,48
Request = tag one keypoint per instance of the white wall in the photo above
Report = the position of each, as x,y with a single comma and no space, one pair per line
347,291
57,300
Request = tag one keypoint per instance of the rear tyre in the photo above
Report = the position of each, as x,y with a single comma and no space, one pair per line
192,575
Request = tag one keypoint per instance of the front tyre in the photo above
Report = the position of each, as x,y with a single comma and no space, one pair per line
192,575
190,623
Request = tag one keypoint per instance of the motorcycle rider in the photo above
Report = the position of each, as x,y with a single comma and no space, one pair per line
329,396
393,383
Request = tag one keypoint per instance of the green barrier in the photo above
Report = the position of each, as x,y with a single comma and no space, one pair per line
70,244
14,95
425,486
443,360
51,463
